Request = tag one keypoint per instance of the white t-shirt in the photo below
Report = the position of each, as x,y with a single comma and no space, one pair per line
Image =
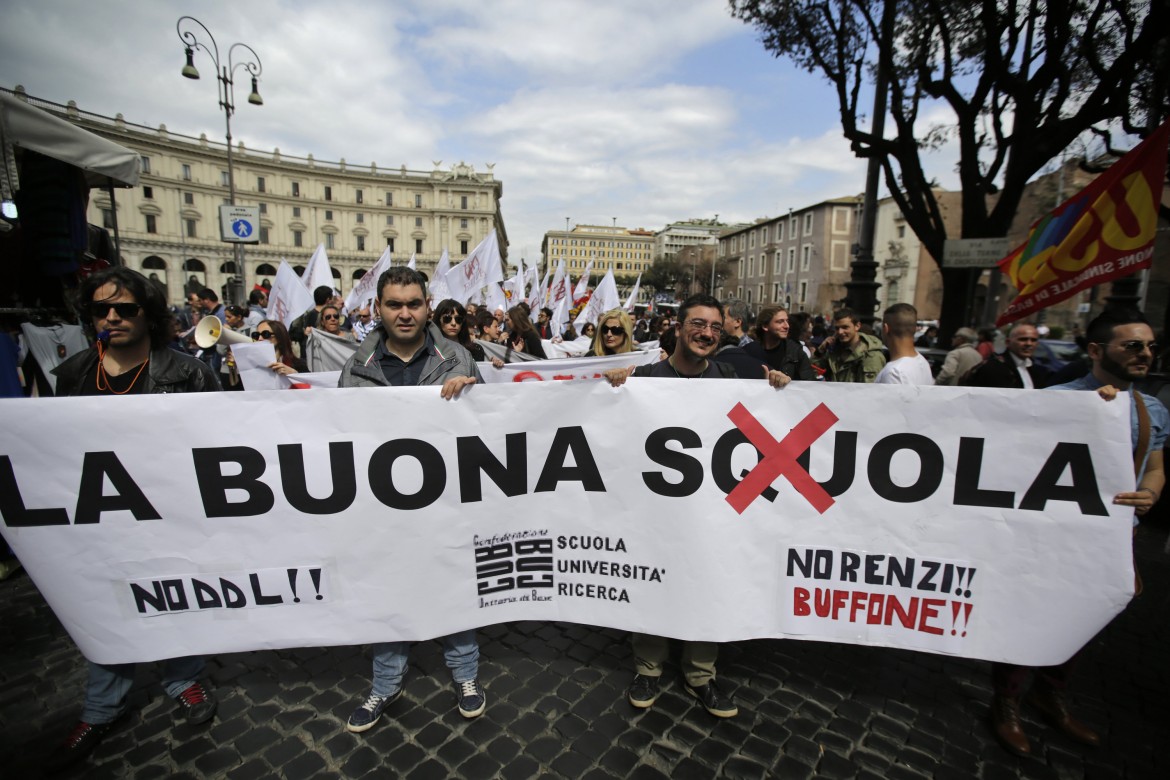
906,371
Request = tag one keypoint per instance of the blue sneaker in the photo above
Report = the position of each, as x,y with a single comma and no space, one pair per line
366,715
472,699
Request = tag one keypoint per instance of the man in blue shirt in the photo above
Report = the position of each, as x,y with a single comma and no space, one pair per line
1121,348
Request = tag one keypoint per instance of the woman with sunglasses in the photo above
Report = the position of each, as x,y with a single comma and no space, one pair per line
452,320
275,332
615,336
588,330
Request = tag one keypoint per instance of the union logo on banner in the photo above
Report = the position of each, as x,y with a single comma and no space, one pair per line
1104,232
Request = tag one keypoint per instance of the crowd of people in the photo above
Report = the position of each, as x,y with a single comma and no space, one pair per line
401,339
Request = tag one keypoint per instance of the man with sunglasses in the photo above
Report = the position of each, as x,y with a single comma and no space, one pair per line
129,317
407,350
1122,349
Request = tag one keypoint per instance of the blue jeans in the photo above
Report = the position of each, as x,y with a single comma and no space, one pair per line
105,693
460,650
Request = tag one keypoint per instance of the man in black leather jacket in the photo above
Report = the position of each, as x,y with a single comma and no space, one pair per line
132,324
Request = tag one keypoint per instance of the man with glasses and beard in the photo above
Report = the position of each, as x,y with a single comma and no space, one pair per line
1121,348
699,327
132,324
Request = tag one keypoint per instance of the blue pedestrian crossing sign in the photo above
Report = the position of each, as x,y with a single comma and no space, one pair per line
239,224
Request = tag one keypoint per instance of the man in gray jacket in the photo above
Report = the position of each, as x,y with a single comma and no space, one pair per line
961,359
403,352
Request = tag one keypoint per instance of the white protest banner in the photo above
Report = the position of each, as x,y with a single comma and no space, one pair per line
502,351
328,352
563,369
495,300
963,521
481,267
288,298
365,292
318,379
566,349
317,272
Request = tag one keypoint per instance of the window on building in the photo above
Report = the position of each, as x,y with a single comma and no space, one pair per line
148,192
108,218
390,244
751,266
779,232
776,263
361,218
775,293
791,228
298,238
361,242
389,219
463,224
186,172
803,292
357,195
760,293
263,235
189,198
418,222
190,228
328,215
752,240
145,164
791,259
901,231
296,211
418,246
418,201
749,297
389,198
260,184
225,178
329,241
462,247
296,189
808,224
462,201
328,192
263,208
805,257
151,226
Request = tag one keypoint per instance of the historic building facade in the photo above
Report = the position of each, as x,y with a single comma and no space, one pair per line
676,236
169,224
800,260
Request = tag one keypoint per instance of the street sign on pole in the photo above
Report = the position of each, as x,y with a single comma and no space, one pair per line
974,252
239,224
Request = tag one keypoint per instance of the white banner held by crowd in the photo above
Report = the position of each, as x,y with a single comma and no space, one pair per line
566,368
288,298
963,521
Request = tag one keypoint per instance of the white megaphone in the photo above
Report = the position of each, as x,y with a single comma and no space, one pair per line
210,331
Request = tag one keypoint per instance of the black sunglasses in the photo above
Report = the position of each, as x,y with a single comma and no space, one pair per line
449,318
1136,347
261,334
123,310
330,317
613,330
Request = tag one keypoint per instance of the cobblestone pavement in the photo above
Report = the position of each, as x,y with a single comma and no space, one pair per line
556,708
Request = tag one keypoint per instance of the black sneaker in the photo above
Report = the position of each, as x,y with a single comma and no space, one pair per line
196,703
472,699
643,691
714,701
368,712
79,744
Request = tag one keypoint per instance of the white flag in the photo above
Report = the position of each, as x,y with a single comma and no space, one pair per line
288,298
539,296
582,284
317,272
605,298
438,286
481,267
412,265
366,290
556,292
495,298
633,299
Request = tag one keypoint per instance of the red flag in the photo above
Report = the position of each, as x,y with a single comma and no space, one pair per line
1104,232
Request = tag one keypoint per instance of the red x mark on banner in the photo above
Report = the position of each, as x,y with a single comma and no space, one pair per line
780,457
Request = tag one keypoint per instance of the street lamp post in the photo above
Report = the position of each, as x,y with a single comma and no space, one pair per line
226,93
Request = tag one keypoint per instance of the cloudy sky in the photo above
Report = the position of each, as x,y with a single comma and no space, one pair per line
648,111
